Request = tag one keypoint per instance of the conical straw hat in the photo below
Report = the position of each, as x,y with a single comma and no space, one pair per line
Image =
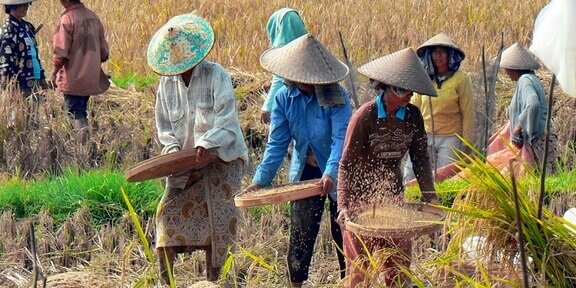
442,39
401,69
304,60
180,44
517,57
14,2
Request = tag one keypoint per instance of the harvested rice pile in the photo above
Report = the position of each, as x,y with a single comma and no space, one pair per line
394,217
79,279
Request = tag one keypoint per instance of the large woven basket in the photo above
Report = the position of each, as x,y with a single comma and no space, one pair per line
279,194
420,219
167,164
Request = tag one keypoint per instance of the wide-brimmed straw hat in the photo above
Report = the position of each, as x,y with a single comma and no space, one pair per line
304,60
401,69
15,2
442,39
517,57
180,44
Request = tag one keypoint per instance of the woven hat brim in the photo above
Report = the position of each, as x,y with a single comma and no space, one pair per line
441,39
15,2
400,69
517,57
175,67
304,60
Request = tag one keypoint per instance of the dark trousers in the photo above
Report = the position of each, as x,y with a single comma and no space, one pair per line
305,217
76,106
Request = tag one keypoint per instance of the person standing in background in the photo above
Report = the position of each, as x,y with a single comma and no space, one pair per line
79,49
452,112
19,60
528,108
283,26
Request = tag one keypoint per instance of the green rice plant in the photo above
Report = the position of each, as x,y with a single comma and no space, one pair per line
61,196
486,208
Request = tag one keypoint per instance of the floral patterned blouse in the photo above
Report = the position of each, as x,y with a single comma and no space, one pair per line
19,54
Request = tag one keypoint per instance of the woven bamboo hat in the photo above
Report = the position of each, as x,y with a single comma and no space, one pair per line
304,60
15,2
517,57
442,39
401,69
180,44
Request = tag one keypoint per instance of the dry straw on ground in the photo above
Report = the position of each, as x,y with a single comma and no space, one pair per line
123,129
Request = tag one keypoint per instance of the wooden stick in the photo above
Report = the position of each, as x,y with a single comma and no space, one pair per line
546,145
35,272
38,29
519,227
350,74
490,101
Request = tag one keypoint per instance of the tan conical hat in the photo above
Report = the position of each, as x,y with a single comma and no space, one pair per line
304,60
15,2
442,39
517,57
401,69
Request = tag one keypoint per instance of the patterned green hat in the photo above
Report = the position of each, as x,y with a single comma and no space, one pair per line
180,44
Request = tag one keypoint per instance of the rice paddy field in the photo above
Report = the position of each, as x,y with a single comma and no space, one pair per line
87,235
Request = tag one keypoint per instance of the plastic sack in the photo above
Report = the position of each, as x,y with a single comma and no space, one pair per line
554,42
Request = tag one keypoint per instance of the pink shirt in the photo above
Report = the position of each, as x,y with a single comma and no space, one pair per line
80,47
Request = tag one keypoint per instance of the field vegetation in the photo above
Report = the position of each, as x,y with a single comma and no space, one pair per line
72,193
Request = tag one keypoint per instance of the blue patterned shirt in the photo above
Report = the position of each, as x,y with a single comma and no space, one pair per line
19,57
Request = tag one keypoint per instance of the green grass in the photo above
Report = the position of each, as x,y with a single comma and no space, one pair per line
63,195
562,182
140,82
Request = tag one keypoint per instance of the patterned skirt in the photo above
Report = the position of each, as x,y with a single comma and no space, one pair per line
202,214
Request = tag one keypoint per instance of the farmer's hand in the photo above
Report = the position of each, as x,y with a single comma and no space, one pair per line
343,216
202,153
265,117
517,143
327,184
253,187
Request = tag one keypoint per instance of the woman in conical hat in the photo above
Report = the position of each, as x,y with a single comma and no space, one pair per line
195,108
379,135
284,25
528,108
312,111
452,112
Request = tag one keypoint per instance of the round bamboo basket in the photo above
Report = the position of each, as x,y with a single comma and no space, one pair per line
393,221
166,165
279,194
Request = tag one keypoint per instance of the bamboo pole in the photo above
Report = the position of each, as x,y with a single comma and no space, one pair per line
546,147
519,227
351,85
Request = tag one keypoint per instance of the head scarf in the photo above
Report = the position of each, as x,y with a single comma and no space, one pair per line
284,26
454,60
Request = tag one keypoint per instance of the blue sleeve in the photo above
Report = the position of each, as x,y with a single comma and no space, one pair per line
8,60
277,83
340,117
528,117
278,141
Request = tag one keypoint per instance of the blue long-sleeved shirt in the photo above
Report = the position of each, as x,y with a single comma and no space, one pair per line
528,108
299,117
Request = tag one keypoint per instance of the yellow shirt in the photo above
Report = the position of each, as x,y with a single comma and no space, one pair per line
453,108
